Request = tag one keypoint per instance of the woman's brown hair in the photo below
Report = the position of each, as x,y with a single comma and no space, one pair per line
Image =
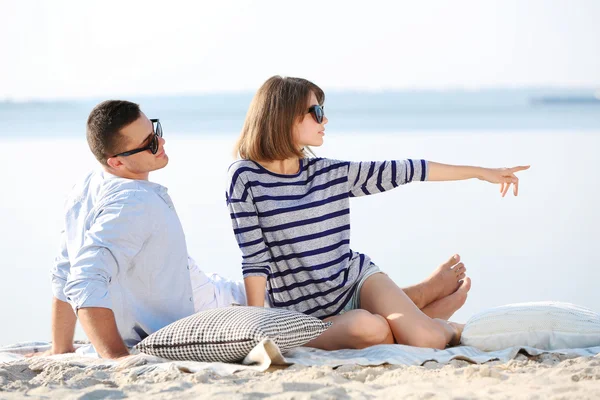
268,130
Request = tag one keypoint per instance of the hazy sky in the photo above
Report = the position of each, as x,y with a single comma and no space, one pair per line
69,48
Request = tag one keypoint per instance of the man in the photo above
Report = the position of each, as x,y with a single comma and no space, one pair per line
123,262
123,266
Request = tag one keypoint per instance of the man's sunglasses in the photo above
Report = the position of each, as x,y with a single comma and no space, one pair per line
153,146
318,112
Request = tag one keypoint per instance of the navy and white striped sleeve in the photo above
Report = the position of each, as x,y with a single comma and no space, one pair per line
256,258
370,177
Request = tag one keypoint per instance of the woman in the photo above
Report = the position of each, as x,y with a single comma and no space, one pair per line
291,218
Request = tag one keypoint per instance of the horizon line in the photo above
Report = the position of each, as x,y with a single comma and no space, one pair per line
594,90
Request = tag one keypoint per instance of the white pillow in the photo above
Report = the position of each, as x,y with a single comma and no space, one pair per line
228,334
543,325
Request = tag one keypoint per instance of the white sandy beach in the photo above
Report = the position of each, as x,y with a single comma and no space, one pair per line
543,377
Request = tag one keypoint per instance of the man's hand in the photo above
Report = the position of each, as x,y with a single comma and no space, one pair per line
504,176
51,352
63,330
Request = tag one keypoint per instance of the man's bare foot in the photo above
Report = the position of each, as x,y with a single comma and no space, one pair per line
458,330
445,280
446,306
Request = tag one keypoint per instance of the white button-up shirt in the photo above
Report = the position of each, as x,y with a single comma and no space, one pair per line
123,248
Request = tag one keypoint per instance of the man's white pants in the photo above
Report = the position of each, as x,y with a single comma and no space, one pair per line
214,291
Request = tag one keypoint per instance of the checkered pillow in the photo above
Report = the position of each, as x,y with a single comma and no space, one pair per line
228,334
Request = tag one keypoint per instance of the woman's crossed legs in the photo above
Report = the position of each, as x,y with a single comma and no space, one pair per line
414,316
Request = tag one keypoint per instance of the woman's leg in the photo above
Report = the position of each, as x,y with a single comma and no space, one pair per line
355,329
409,325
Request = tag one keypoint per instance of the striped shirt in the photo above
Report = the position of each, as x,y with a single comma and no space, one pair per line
295,229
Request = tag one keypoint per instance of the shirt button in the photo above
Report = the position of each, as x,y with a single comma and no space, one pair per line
188,267
191,299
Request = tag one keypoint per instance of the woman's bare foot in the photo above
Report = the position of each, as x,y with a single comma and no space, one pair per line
446,306
445,280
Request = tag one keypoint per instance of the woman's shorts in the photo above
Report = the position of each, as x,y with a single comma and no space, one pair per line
354,302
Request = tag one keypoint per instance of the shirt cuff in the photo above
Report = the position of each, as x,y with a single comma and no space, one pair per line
425,166
262,270
58,288
83,294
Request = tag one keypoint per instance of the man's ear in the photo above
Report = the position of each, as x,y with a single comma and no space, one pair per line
114,162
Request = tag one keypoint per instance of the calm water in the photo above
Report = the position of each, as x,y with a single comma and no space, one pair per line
522,109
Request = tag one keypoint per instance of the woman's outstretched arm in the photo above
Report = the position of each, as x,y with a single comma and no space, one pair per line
504,176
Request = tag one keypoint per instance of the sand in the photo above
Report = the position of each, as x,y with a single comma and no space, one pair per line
547,376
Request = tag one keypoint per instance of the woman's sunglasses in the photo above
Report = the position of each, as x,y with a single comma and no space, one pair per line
153,146
318,112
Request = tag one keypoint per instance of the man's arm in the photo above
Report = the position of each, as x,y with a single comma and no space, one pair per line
110,244
100,327
63,318
63,327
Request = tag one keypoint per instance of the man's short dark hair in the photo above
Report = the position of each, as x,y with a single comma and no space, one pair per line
104,126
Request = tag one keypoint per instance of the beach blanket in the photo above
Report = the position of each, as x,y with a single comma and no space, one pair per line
267,355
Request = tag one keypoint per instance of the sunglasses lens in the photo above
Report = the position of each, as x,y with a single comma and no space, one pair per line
154,148
319,114
159,130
